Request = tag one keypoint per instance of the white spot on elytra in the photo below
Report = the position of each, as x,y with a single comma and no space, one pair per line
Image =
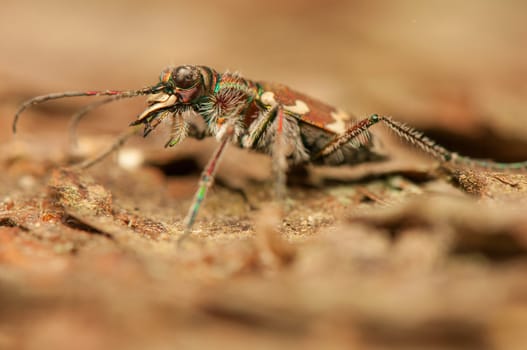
268,98
339,125
300,107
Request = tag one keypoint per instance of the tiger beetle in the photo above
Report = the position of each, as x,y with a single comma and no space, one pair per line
270,118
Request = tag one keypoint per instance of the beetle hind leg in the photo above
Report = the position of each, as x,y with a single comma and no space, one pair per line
357,132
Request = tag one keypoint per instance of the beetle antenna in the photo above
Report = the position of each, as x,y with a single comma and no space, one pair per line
54,96
79,115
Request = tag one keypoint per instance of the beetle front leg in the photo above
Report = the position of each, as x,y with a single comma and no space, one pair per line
207,178
226,131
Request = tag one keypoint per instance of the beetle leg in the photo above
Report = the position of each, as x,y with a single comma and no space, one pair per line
353,133
422,142
207,178
259,128
178,131
270,127
419,140
279,156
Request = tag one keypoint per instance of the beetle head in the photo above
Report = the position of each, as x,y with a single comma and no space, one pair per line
180,87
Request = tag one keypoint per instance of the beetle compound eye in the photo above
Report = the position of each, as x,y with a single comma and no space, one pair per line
186,77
